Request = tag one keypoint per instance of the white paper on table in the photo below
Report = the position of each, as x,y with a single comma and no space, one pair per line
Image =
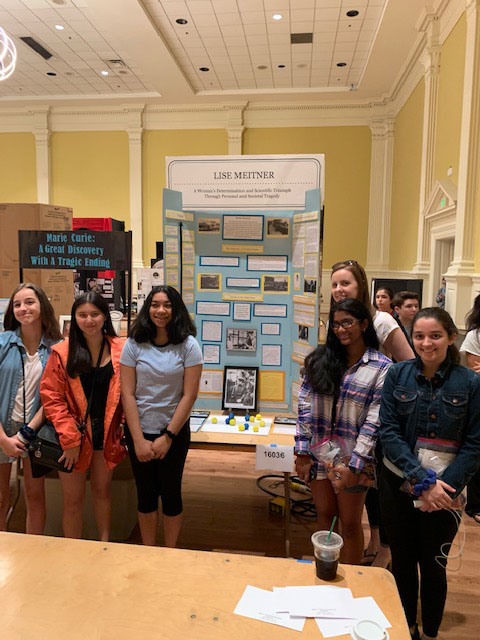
318,601
287,429
364,609
259,604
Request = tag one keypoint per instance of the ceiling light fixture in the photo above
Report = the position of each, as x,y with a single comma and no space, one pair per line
204,69
281,66
104,73
353,13
59,27
8,56
262,67
51,73
341,64
181,21
277,16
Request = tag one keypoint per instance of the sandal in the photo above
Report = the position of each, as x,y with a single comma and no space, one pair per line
476,517
368,559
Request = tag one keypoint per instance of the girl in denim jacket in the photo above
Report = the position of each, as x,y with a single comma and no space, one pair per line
430,434
31,330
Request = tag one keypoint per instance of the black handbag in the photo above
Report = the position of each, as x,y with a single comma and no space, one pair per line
46,449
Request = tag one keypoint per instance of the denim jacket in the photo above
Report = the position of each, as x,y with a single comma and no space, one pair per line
11,373
446,407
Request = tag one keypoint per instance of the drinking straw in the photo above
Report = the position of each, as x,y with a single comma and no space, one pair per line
331,528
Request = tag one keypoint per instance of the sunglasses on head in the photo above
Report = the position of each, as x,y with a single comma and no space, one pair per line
345,263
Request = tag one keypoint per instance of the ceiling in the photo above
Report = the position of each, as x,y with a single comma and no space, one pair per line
155,50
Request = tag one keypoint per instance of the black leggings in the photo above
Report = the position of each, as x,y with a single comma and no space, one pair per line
415,541
372,506
473,495
160,478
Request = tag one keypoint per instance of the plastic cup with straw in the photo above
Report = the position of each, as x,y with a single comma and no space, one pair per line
326,546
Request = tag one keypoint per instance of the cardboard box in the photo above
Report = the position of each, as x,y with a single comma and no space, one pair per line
58,285
29,217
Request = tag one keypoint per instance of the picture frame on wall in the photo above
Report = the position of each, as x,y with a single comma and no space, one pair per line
240,388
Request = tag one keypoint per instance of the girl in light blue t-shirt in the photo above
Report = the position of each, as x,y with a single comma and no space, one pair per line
161,366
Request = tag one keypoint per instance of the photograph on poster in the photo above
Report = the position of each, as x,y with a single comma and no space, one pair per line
270,329
272,355
209,281
242,311
296,281
219,261
278,227
310,285
270,310
212,330
211,353
252,283
205,308
242,340
242,227
211,381
209,225
303,333
267,263
276,284
240,388
65,322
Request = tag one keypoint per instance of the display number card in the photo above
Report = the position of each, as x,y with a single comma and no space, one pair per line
274,457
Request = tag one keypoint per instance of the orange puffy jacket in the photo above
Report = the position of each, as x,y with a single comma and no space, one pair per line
65,406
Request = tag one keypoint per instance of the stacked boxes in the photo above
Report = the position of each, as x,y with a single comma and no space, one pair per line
58,285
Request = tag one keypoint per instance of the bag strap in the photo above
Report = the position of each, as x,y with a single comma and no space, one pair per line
83,425
24,392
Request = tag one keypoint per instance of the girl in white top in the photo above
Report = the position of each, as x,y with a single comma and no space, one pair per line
349,280
471,348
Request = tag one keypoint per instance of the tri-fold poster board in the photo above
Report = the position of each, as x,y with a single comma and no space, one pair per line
251,281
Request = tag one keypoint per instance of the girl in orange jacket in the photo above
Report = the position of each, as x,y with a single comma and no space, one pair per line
65,388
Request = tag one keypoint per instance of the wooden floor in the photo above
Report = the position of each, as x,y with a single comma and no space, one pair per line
225,510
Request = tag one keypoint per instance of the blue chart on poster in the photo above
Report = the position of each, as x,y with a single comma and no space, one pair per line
251,282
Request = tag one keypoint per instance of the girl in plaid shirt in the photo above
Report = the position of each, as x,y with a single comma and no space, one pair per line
340,396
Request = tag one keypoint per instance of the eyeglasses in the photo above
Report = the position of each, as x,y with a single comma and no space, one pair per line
345,263
344,324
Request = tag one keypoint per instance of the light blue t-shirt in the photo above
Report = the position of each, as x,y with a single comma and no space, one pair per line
159,378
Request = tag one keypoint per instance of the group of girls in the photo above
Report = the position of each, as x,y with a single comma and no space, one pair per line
418,421
149,382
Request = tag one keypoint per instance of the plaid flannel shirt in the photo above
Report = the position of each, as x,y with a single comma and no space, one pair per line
358,405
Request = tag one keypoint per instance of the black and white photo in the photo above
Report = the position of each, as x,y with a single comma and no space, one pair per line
209,282
278,227
310,285
240,388
209,225
276,284
303,333
242,340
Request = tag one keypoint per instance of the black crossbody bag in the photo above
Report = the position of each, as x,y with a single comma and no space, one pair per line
46,450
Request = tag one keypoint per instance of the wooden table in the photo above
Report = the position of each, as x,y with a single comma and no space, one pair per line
247,442
86,590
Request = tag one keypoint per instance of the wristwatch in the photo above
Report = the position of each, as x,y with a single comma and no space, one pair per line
170,434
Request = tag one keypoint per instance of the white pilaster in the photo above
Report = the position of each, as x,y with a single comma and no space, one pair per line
381,170
135,134
461,269
41,132
431,64
235,127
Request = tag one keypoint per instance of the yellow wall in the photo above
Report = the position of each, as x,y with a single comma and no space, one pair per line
156,146
18,167
90,173
347,180
407,161
449,114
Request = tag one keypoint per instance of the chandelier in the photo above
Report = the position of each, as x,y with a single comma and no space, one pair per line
8,56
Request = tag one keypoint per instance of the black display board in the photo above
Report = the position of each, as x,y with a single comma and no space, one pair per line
81,249
396,285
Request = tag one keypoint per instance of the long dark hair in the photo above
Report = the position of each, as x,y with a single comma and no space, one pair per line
472,321
79,357
50,327
445,319
178,329
358,272
325,366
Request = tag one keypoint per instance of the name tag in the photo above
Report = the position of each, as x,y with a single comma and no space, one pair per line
274,457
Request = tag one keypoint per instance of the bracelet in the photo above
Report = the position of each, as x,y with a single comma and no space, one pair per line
27,432
426,483
169,434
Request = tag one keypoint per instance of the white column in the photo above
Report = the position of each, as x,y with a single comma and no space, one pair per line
41,132
235,127
135,134
459,275
381,170
431,64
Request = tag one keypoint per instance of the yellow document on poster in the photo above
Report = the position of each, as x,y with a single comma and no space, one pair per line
242,248
272,386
